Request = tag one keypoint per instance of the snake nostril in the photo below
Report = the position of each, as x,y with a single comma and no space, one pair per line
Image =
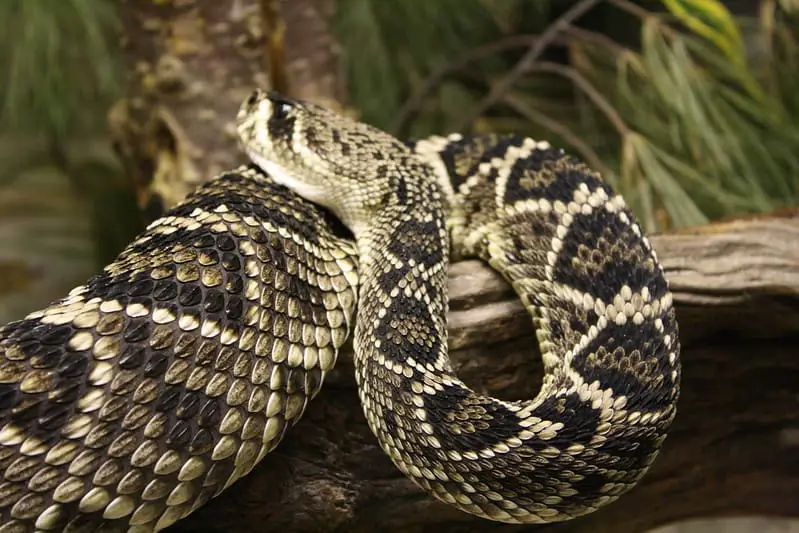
253,98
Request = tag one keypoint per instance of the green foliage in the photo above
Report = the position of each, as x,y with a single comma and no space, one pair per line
390,44
57,227
58,63
712,21
693,119
709,136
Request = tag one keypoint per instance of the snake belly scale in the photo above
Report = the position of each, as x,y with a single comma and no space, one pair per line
144,393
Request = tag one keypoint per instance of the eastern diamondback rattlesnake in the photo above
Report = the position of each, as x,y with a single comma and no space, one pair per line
147,391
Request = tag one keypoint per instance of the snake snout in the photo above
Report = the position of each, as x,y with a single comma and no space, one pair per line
250,103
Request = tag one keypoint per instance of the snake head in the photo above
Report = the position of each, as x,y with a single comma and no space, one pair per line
327,158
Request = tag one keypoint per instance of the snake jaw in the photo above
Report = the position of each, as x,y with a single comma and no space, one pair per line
315,194
285,177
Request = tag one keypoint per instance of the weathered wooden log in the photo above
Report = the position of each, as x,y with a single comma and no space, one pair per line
733,447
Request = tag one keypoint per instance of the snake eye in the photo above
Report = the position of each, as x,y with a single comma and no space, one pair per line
281,110
281,106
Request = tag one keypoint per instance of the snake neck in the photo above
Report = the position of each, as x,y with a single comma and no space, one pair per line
404,255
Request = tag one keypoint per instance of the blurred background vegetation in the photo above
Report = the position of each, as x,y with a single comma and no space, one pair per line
690,107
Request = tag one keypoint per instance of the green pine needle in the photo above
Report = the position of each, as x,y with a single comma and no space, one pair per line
704,118
390,44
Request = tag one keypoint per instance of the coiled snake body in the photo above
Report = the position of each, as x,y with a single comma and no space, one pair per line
147,391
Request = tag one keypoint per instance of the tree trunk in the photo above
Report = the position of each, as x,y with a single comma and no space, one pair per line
732,449
192,64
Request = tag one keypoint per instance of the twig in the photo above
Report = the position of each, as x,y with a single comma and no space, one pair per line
413,105
275,35
534,115
596,38
589,90
629,7
524,64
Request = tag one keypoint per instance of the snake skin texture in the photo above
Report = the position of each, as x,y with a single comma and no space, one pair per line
147,391
573,253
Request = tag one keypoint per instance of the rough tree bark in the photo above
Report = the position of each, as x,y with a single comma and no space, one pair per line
733,447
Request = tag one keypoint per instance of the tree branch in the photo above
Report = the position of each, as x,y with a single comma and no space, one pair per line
413,105
275,45
517,103
601,103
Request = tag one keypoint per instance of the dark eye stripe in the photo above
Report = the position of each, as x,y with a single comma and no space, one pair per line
280,125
